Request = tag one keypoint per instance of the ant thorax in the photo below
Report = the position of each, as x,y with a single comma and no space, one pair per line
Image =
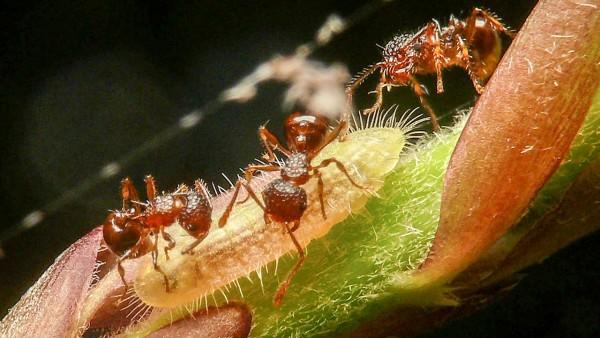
168,203
195,218
295,168
164,209
196,203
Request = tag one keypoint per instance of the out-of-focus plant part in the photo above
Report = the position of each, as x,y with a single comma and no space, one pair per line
517,135
52,305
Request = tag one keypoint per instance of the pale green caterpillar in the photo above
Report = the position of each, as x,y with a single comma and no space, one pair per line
246,244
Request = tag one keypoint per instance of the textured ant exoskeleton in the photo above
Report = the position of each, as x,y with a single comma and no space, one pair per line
472,44
284,199
127,231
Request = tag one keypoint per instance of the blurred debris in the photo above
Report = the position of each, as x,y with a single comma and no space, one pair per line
313,85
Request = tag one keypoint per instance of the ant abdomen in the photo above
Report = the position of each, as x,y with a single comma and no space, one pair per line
305,132
163,210
122,234
284,202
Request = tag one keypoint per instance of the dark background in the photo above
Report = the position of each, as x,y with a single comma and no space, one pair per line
85,83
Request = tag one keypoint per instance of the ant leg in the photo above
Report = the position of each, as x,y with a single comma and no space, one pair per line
121,270
238,185
489,18
433,31
332,135
248,175
466,57
271,143
320,189
421,93
301,257
150,187
154,254
170,242
267,219
379,99
251,169
225,216
129,193
199,239
252,194
340,167
295,226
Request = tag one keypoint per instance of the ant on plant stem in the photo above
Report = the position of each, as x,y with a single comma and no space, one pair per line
284,199
127,231
472,44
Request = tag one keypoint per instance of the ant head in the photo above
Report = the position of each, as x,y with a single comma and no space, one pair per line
305,133
121,232
398,58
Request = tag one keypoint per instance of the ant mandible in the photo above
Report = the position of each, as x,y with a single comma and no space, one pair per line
472,44
284,199
127,231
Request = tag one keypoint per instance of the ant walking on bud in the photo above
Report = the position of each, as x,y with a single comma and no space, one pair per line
472,44
127,232
284,200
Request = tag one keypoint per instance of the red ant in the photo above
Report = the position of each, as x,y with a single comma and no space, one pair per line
284,199
472,44
127,231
